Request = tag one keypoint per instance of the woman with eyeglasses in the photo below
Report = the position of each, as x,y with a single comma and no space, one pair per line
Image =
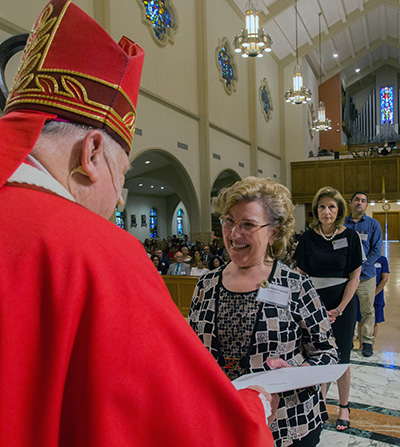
255,307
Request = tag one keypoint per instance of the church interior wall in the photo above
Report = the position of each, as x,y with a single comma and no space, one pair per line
166,216
299,217
163,127
269,165
268,133
229,111
168,104
141,205
12,11
169,70
232,152
330,93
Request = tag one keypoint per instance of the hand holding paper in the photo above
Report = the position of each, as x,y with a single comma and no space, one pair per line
286,379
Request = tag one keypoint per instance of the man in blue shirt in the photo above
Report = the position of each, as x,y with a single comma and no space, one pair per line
370,233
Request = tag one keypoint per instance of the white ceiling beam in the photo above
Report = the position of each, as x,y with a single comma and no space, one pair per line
334,50
390,41
349,41
307,34
371,62
324,24
378,64
338,27
382,22
274,9
364,26
278,6
292,45
360,4
340,9
343,79
323,70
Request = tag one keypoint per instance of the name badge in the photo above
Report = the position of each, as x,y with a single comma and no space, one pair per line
274,294
340,243
363,236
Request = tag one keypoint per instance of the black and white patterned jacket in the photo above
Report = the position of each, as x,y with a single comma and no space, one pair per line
300,333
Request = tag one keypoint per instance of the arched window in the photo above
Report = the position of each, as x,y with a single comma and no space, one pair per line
179,222
153,223
226,65
161,18
386,105
119,218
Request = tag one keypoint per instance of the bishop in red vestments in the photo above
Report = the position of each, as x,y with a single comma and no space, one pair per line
93,352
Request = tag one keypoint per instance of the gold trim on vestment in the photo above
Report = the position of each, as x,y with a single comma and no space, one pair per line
49,92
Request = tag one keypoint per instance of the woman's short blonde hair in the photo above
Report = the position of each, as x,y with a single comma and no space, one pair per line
274,197
332,193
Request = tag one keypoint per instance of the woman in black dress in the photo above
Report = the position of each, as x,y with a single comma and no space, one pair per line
331,255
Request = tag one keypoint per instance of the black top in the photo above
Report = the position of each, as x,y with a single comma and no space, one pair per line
318,257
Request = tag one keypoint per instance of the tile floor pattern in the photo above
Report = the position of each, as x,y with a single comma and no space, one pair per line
374,402
375,382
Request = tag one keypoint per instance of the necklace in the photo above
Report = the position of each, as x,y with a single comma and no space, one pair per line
327,238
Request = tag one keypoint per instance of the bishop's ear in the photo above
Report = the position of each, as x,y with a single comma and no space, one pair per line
92,150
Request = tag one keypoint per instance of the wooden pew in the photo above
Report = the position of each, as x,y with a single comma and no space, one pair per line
181,290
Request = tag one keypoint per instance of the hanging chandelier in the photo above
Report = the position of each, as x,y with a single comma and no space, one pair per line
297,94
252,41
322,123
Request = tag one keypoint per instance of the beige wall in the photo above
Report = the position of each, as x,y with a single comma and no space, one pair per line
268,133
169,70
232,153
227,111
163,128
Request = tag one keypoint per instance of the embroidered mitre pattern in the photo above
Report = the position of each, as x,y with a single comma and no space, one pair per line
47,82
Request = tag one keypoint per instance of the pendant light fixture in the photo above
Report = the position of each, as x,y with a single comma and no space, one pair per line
297,94
252,41
322,123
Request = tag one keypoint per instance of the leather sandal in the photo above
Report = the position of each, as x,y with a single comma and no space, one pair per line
343,422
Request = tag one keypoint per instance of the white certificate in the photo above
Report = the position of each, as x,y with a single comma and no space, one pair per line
292,378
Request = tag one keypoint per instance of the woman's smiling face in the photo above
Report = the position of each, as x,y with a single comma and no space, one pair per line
248,249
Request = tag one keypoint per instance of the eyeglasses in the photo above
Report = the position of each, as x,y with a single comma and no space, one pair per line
245,226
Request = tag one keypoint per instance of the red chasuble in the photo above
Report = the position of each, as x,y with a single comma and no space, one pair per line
93,352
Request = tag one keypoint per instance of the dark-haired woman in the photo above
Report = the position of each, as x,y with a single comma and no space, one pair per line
331,255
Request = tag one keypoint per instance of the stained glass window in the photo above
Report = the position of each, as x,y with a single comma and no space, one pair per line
226,65
179,222
119,218
153,223
160,16
265,98
386,105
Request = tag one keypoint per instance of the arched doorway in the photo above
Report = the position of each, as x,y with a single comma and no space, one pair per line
157,180
224,179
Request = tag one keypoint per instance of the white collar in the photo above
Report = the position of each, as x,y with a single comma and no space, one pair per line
38,176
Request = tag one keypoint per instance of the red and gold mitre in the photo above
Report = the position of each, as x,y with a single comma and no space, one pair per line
72,68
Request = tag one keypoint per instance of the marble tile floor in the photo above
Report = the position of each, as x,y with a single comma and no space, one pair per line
375,382
374,402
